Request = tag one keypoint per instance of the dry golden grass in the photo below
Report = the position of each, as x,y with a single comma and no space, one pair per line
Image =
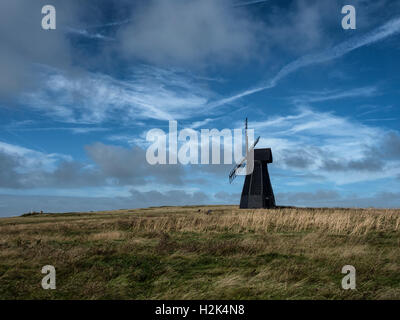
186,253
338,221
108,235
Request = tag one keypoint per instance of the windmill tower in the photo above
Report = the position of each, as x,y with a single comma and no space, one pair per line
257,189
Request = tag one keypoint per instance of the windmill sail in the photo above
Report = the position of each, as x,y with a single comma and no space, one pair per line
241,164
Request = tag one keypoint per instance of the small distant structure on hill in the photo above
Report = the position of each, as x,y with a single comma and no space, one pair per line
257,189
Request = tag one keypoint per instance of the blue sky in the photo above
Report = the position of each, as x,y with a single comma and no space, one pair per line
76,102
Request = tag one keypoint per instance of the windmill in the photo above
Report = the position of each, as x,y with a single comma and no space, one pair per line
257,189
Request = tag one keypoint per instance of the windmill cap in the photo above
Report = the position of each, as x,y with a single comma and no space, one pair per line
263,155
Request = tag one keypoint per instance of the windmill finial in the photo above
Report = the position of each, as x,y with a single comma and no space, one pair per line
246,138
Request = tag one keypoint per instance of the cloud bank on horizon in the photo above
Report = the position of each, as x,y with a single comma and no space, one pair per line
76,102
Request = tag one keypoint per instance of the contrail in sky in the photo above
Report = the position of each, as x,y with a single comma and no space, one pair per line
248,3
86,34
388,29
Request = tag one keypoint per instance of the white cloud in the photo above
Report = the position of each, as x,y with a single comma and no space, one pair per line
24,43
149,93
29,159
192,33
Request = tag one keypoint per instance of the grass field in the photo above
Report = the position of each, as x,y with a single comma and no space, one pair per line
190,253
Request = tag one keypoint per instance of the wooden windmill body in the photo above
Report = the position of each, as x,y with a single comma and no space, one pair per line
257,189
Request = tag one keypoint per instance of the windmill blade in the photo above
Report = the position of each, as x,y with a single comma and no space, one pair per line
254,144
232,174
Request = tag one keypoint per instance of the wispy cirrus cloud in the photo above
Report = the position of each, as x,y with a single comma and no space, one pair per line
130,139
198,124
249,3
147,93
388,29
90,35
326,95
341,150
74,130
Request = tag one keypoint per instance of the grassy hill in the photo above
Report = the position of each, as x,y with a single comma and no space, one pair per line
192,253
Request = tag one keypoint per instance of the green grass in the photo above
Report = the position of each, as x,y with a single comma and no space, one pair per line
184,253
